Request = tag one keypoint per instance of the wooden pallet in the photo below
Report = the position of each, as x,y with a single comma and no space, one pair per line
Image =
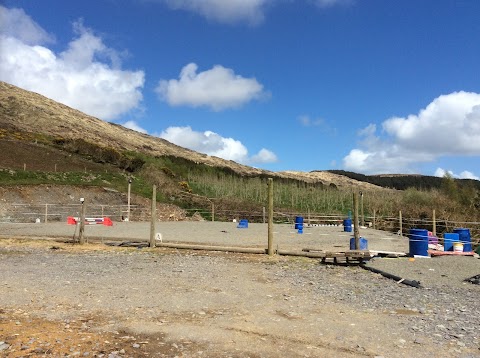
346,257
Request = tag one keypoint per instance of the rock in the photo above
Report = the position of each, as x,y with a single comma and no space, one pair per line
4,346
136,345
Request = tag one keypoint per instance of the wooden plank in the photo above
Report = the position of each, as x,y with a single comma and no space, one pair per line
450,253
388,253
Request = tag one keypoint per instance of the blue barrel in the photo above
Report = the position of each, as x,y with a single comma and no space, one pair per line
347,225
448,240
418,242
362,242
298,222
464,236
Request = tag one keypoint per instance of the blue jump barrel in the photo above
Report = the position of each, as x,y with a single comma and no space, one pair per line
362,242
347,225
298,222
448,240
418,242
464,236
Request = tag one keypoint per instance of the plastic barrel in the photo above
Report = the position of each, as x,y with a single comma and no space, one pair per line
362,242
418,242
347,225
464,235
243,224
298,222
448,240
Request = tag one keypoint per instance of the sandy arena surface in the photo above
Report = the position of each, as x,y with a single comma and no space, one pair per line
219,233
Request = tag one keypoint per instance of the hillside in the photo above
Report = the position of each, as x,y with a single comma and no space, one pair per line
29,112
46,143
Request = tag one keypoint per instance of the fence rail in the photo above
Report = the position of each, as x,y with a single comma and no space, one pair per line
28,213
44,213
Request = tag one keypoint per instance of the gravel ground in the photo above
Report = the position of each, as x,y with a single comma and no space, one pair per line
184,303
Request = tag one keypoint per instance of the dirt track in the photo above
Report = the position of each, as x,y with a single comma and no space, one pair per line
61,299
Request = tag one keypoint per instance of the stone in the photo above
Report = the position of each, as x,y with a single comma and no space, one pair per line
4,346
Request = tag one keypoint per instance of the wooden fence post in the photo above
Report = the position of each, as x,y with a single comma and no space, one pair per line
264,214
153,217
434,229
356,231
81,235
374,219
128,197
213,211
46,213
400,222
361,209
270,216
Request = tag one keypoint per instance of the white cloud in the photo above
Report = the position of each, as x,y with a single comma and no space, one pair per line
331,3
230,12
440,172
211,143
468,175
319,123
134,126
237,11
307,121
218,88
86,76
449,126
15,23
264,156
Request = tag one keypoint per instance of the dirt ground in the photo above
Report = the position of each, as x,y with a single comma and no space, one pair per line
59,299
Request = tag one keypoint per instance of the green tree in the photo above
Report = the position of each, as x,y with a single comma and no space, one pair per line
449,186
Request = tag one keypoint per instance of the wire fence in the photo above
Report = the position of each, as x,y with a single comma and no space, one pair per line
400,225
44,213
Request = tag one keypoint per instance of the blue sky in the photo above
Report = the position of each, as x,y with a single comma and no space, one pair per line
371,86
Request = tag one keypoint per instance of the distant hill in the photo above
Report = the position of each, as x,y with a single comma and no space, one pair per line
403,181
